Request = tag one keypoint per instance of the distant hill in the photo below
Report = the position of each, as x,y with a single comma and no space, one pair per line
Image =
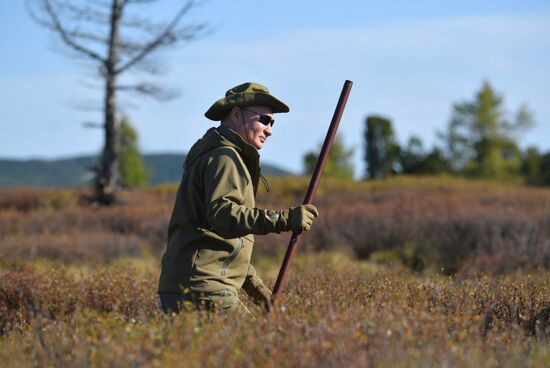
74,172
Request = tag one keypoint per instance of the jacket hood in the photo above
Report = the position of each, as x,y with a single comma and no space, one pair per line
222,137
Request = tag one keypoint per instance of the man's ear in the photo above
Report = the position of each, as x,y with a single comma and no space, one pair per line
235,112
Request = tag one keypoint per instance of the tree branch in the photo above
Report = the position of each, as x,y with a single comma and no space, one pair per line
66,36
140,1
167,36
150,89
142,24
150,66
85,13
87,36
104,4
129,46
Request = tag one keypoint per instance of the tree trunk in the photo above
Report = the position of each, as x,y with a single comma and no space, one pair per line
108,173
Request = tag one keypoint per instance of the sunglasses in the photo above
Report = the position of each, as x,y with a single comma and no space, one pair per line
264,119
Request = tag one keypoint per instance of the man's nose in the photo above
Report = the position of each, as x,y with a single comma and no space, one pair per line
268,130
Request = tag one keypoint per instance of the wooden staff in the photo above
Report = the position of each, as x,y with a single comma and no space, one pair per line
313,184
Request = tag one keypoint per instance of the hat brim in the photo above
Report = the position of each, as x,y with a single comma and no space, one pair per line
217,111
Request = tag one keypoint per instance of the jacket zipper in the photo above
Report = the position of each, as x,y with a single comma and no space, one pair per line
231,258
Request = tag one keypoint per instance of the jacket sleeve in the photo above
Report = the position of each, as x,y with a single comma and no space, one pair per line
225,182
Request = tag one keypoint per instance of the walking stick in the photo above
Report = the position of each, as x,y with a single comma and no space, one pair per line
313,184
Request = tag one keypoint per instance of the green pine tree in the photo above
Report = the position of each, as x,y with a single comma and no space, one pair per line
339,162
482,140
415,161
133,172
532,167
382,150
545,169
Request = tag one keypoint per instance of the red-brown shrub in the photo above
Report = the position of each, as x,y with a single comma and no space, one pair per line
447,225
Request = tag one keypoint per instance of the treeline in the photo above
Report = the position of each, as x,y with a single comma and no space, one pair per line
480,141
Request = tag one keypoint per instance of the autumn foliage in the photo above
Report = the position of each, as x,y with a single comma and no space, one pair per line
405,272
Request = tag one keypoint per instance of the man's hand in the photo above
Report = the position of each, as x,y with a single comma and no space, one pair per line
301,217
261,296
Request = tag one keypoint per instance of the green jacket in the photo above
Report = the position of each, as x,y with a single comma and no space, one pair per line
210,236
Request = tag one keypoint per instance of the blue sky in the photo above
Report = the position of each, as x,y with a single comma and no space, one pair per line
409,61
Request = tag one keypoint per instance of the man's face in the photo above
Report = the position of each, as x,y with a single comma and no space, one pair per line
257,124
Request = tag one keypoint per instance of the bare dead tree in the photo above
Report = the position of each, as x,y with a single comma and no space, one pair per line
92,31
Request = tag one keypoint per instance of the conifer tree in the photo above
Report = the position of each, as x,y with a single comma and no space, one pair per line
133,172
482,140
382,150
339,162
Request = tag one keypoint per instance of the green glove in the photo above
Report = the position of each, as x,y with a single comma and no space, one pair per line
301,217
261,296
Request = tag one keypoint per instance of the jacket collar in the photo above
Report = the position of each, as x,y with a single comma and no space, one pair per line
236,139
248,153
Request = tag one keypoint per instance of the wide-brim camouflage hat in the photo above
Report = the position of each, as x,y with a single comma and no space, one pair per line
246,94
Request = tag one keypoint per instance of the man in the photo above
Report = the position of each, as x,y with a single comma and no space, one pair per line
211,232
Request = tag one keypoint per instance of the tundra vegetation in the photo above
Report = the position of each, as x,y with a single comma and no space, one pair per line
432,271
